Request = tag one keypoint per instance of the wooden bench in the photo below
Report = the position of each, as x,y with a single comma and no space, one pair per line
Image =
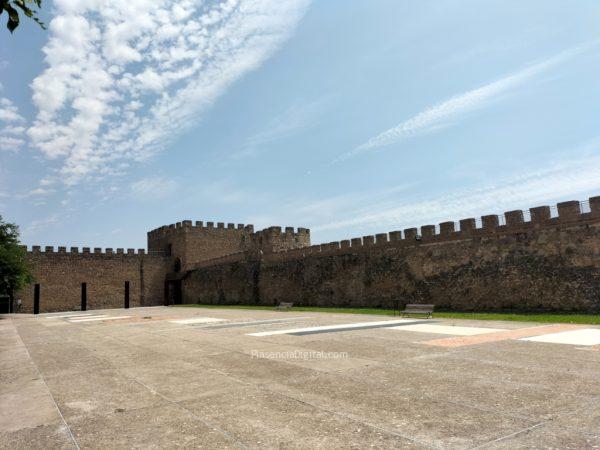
284,306
418,309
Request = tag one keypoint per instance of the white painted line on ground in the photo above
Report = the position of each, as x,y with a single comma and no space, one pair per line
93,319
332,327
69,315
252,323
90,316
197,320
447,329
586,336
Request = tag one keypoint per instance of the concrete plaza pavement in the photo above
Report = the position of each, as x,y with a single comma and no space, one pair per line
223,378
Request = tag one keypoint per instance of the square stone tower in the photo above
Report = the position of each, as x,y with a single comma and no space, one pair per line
189,243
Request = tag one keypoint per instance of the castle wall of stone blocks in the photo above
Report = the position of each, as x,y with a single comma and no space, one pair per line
60,274
195,243
173,251
541,259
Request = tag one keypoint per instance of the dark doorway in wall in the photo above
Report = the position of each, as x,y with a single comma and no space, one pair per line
4,304
173,292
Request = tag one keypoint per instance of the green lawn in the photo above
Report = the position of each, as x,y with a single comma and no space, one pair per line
518,317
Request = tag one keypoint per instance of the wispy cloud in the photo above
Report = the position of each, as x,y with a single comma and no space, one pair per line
565,179
39,192
40,224
120,86
362,212
224,192
307,211
447,112
11,129
153,188
298,117
9,112
10,143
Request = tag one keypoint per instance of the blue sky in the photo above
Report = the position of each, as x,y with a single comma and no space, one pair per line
347,117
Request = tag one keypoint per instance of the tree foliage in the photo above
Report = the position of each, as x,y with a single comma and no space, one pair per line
14,270
15,7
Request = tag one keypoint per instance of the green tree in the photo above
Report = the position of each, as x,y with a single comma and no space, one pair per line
14,7
14,270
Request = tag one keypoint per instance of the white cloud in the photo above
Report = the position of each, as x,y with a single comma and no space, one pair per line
9,143
47,181
153,188
365,212
40,192
225,192
10,130
14,130
313,212
40,224
9,112
567,179
124,77
296,118
443,114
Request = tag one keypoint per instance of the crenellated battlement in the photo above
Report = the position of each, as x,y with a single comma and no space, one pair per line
564,214
276,239
204,242
240,227
453,263
191,242
194,242
89,251
198,225
546,258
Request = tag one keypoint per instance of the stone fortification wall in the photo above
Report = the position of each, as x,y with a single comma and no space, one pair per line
192,243
61,272
195,242
542,259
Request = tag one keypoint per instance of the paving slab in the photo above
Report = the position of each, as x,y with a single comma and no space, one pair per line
298,424
98,391
53,435
585,419
546,436
165,378
165,426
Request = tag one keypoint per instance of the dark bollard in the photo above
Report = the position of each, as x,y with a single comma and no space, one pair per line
84,296
127,295
36,299
166,294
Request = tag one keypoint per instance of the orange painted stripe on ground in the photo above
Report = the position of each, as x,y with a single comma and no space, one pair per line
595,348
501,335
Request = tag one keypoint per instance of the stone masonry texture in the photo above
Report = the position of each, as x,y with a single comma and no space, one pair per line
547,260
60,275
